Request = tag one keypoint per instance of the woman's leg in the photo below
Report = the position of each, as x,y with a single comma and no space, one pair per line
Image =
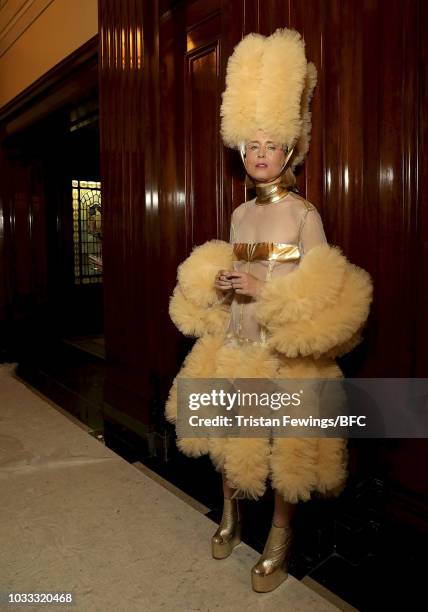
227,490
283,511
228,534
272,568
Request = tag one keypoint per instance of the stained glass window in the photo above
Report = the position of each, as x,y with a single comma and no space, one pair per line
87,231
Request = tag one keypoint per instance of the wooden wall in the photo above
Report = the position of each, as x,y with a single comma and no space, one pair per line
176,185
170,184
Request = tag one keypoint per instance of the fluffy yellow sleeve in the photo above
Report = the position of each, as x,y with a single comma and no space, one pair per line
196,307
318,309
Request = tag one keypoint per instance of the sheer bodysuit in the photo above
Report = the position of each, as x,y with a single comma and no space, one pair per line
269,240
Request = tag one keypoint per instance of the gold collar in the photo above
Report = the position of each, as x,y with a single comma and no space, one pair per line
268,193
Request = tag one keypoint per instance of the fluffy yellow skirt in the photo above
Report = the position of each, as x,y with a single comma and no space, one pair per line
296,467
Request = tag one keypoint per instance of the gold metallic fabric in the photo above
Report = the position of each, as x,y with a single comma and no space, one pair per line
228,534
272,567
267,193
266,251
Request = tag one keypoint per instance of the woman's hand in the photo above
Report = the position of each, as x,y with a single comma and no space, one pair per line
246,284
222,281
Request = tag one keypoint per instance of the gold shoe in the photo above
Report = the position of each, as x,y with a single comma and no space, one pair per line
228,534
271,569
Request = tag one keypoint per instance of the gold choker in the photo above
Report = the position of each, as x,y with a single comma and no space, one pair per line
266,194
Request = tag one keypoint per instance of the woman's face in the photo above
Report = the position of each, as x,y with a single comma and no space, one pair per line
264,157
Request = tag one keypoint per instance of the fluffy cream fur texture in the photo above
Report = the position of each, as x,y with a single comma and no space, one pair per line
302,145
197,273
269,85
281,86
314,285
193,320
311,314
320,307
240,98
195,306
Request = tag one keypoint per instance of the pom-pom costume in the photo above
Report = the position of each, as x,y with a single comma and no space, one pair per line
313,305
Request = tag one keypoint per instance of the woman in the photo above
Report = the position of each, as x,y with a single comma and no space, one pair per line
286,220
275,302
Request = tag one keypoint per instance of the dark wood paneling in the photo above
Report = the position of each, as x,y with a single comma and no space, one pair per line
202,155
419,141
361,169
4,245
199,10
172,218
310,176
232,175
130,162
394,207
214,174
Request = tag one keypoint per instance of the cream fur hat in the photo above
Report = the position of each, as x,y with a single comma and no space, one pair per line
269,86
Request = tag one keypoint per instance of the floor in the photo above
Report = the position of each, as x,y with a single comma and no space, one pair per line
78,518
349,546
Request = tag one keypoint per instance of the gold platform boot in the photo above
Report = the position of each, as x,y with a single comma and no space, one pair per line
272,567
228,534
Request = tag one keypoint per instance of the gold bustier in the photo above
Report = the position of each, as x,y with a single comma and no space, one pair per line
266,251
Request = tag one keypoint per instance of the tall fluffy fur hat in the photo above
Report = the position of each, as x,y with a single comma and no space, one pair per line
269,86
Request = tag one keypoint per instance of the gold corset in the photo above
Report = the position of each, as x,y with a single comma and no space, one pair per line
266,251
272,252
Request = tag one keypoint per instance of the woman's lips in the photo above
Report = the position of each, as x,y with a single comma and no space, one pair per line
261,165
